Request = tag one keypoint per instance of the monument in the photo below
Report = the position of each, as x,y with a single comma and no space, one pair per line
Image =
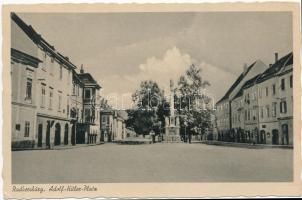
172,127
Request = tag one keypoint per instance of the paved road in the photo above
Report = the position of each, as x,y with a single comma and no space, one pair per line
152,163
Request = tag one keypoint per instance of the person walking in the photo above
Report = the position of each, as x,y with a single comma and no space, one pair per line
152,135
189,136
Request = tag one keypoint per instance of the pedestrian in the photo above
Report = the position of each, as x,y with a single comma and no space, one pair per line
152,135
189,137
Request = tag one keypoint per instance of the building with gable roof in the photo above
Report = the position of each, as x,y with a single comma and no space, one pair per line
223,106
275,91
262,110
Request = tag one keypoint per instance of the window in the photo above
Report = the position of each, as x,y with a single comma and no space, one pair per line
249,115
267,111
50,97
274,109
61,72
28,89
260,93
43,95
52,59
266,91
87,115
27,127
68,81
44,60
273,89
291,81
283,107
104,118
73,89
282,84
87,94
60,101
262,111
18,127
67,105
245,115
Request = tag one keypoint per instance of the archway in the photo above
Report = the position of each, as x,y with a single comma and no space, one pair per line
57,134
40,135
275,136
48,135
66,134
285,139
73,135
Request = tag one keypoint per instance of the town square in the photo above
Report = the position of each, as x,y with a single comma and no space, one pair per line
151,97
145,163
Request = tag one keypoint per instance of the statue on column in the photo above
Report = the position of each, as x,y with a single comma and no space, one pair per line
172,128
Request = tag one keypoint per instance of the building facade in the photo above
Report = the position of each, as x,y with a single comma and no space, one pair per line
113,126
285,117
262,111
89,129
51,113
76,106
223,106
24,105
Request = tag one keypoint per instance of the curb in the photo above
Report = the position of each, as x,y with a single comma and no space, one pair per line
248,145
59,148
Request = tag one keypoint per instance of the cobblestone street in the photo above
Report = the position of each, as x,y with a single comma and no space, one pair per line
177,162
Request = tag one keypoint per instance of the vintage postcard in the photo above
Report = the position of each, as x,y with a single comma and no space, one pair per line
141,100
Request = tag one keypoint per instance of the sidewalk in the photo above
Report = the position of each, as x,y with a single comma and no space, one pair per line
134,141
61,147
243,145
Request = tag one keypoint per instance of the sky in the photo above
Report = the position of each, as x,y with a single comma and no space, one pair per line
122,49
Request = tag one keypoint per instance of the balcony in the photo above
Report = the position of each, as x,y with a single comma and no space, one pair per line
89,101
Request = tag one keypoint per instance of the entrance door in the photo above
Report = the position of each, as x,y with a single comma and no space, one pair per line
48,135
66,135
73,133
285,139
275,135
57,134
40,135
262,137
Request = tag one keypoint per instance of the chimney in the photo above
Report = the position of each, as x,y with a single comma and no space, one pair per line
276,57
81,70
244,68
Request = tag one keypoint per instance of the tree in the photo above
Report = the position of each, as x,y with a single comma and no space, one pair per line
192,101
148,113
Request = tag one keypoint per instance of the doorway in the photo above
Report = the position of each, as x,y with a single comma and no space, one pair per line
40,135
285,139
66,134
57,134
275,137
48,135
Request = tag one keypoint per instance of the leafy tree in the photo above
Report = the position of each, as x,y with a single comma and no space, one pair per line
191,102
149,112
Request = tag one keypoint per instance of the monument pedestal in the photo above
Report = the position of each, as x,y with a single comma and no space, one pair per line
172,129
